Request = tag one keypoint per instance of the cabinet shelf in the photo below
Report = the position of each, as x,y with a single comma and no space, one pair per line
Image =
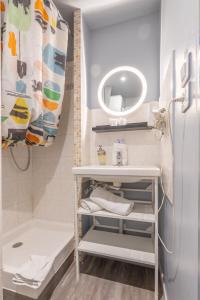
141,213
127,127
121,246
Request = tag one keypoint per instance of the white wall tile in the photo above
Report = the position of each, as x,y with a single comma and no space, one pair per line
16,190
143,146
52,172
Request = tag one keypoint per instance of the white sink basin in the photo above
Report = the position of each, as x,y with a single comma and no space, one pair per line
140,171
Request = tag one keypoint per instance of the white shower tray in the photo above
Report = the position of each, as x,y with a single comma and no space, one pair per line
52,239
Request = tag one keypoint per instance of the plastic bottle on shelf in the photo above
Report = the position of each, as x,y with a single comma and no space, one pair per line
101,153
124,152
120,153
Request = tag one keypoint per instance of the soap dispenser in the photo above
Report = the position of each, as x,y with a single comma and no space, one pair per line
101,153
124,153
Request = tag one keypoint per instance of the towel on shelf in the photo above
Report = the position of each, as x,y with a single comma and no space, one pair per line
111,202
89,205
33,272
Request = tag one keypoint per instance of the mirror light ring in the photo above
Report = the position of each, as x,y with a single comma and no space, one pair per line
140,101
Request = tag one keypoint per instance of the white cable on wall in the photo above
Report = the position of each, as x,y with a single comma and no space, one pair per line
173,277
162,203
181,99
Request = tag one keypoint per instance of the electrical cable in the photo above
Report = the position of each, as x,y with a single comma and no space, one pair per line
181,99
172,278
165,247
16,163
163,192
162,203
175,100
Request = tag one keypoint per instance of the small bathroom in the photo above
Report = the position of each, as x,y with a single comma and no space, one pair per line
100,168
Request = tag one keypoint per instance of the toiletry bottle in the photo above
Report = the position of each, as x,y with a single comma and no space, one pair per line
117,153
120,153
124,152
101,153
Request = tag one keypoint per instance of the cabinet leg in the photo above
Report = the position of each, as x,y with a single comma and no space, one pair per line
76,228
77,266
156,284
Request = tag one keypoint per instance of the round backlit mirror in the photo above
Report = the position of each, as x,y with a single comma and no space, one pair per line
122,91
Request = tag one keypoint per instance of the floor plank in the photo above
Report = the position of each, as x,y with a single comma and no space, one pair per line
103,279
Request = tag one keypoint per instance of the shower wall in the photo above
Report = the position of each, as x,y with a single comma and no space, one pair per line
46,190
52,181
16,190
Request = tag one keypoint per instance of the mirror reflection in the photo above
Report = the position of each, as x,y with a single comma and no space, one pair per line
121,91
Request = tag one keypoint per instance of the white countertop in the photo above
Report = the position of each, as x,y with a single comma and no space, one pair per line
139,171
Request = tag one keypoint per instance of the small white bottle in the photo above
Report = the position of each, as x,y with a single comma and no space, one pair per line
117,153
124,152
120,153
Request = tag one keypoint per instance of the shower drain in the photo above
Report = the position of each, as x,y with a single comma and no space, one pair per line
17,245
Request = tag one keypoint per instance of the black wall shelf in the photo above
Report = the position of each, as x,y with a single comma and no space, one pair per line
127,127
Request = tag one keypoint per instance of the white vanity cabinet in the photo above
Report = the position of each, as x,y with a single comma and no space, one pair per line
130,248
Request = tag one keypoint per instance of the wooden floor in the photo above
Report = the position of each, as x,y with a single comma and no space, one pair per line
103,279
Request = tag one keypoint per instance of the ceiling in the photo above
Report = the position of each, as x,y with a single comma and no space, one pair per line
101,13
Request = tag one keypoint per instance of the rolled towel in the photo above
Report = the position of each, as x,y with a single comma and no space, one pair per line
111,202
33,272
90,205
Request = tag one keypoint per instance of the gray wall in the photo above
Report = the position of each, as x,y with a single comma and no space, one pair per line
179,27
135,43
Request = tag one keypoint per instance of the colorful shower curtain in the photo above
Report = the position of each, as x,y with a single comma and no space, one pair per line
34,40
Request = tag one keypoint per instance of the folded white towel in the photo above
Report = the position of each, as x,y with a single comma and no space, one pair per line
89,205
111,202
33,272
